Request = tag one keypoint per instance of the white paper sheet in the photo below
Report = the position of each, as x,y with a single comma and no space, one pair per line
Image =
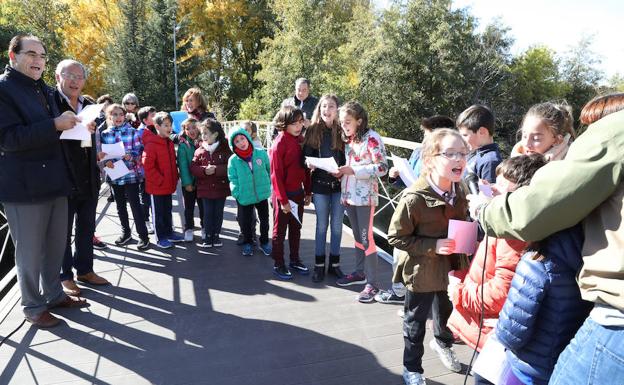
465,236
80,131
327,164
491,361
405,171
113,151
118,171
294,210
486,190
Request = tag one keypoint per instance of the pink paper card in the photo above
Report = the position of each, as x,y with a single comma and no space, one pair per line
465,236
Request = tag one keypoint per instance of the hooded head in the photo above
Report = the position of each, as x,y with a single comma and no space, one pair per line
235,137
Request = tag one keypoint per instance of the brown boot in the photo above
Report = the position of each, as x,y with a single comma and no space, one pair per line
70,287
92,279
43,320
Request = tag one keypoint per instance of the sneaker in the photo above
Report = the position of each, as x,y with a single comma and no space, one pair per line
150,227
123,239
299,267
282,272
98,244
413,378
247,249
143,244
164,244
368,294
446,355
240,240
206,243
175,238
216,241
267,249
351,279
389,296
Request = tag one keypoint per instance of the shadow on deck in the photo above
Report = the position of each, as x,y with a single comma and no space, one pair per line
212,316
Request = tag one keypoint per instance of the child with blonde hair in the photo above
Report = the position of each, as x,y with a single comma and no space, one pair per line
419,229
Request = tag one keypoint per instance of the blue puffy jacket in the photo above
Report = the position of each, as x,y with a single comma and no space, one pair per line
544,308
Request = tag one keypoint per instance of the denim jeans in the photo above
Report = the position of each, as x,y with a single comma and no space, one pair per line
594,356
82,259
328,208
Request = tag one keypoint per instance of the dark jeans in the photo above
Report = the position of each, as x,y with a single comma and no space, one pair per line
254,220
246,214
213,215
163,220
417,306
283,222
130,193
82,260
145,201
190,197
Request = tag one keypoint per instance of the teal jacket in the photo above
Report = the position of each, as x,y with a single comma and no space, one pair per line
249,185
186,150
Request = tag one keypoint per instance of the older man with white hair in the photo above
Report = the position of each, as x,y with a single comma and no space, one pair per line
82,203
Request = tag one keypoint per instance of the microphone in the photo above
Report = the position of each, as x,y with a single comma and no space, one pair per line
472,180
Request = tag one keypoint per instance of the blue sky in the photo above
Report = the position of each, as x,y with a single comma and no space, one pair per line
558,24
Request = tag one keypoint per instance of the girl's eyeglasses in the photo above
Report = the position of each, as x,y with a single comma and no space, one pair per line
453,155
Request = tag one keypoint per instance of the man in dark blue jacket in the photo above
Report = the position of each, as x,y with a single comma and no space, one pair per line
34,181
81,155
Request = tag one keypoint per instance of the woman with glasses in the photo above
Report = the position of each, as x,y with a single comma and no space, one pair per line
131,104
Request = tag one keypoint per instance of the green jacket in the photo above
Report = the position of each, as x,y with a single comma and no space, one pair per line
419,220
186,150
585,186
249,185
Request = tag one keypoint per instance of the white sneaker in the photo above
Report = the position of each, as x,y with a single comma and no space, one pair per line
413,378
150,228
447,356
188,235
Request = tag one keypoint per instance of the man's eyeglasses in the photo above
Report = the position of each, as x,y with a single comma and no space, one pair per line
69,76
34,55
453,155
133,103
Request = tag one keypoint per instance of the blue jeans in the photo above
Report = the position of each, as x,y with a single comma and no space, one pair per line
594,356
328,206
162,216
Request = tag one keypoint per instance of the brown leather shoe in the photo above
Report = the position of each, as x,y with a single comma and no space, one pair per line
70,287
44,320
92,279
71,302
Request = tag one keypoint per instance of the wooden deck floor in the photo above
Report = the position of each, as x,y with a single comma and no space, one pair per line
197,316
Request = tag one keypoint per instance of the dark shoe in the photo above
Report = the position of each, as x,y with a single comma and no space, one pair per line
98,244
44,320
123,239
248,249
92,279
71,302
299,268
143,244
216,241
282,272
368,294
335,271
70,287
240,240
389,296
206,243
352,279
319,273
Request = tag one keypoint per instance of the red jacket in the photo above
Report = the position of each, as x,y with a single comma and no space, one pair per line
502,257
288,173
159,162
217,185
